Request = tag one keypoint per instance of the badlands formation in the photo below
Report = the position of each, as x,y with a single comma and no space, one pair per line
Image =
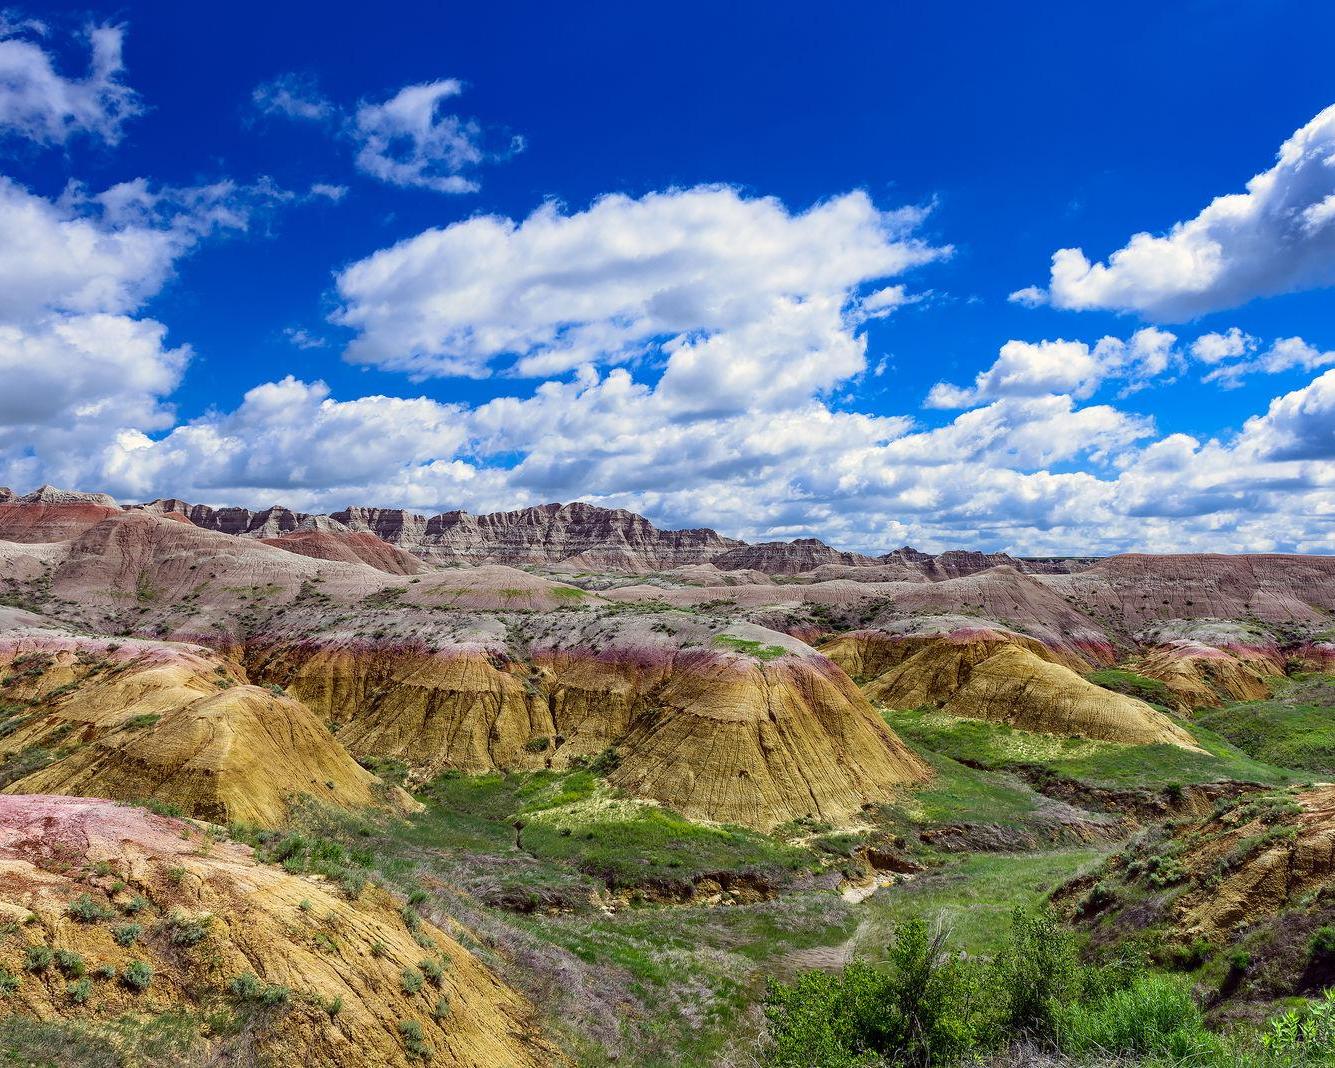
230,667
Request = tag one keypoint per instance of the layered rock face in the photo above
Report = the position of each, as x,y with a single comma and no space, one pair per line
698,721
349,547
1204,676
1137,589
1002,677
787,557
150,720
579,534
246,918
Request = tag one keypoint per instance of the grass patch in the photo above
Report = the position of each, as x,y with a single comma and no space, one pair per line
996,745
759,650
1132,684
973,896
1294,729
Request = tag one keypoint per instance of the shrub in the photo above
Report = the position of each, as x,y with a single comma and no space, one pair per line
38,958
411,1032
245,986
1155,1014
80,991
1323,942
921,1008
126,934
84,909
135,905
189,931
137,975
412,981
1036,969
70,963
442,1008
8,982
432,970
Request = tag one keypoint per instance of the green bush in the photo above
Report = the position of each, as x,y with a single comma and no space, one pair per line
412,981
921,1008
70,963
38,958
126,934
1155,1014
929,1006
137,975
84,909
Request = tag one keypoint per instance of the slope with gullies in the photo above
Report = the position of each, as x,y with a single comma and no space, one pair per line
130,719
117,911
1000,676
747,726
1196,675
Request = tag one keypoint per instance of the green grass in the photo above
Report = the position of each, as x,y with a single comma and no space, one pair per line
1153,691
634,845
1112,764
759,650
1295,728
960,794
974,895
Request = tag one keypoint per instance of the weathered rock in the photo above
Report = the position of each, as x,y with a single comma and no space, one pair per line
339,960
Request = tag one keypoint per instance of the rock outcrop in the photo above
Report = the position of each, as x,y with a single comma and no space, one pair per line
219,928
753,729
786,557
1197,675
151,720
1002,677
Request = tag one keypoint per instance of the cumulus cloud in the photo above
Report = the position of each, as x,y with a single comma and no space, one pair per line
1286,354
1277,237
43,105
1297,426
78,366
408,140
743,299
1032,369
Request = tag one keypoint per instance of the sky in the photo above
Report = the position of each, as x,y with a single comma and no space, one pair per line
1046,278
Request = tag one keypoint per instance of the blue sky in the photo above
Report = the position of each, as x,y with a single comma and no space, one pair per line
275,210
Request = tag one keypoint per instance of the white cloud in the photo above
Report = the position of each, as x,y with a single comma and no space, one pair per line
1029,296
108,370
293,96
39,103
1286,354
408,140
304,339
1216,348
741,296
1297,426
1277,237
1033,369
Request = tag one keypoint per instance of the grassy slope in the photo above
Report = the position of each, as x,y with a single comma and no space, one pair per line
1295,728
973,895
1099,763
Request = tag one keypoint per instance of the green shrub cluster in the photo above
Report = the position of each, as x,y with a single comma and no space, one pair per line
930,1005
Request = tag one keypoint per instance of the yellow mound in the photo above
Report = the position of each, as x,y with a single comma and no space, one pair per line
1202,676
1005,678
150,720
714,734
243,754
211,914
761,744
